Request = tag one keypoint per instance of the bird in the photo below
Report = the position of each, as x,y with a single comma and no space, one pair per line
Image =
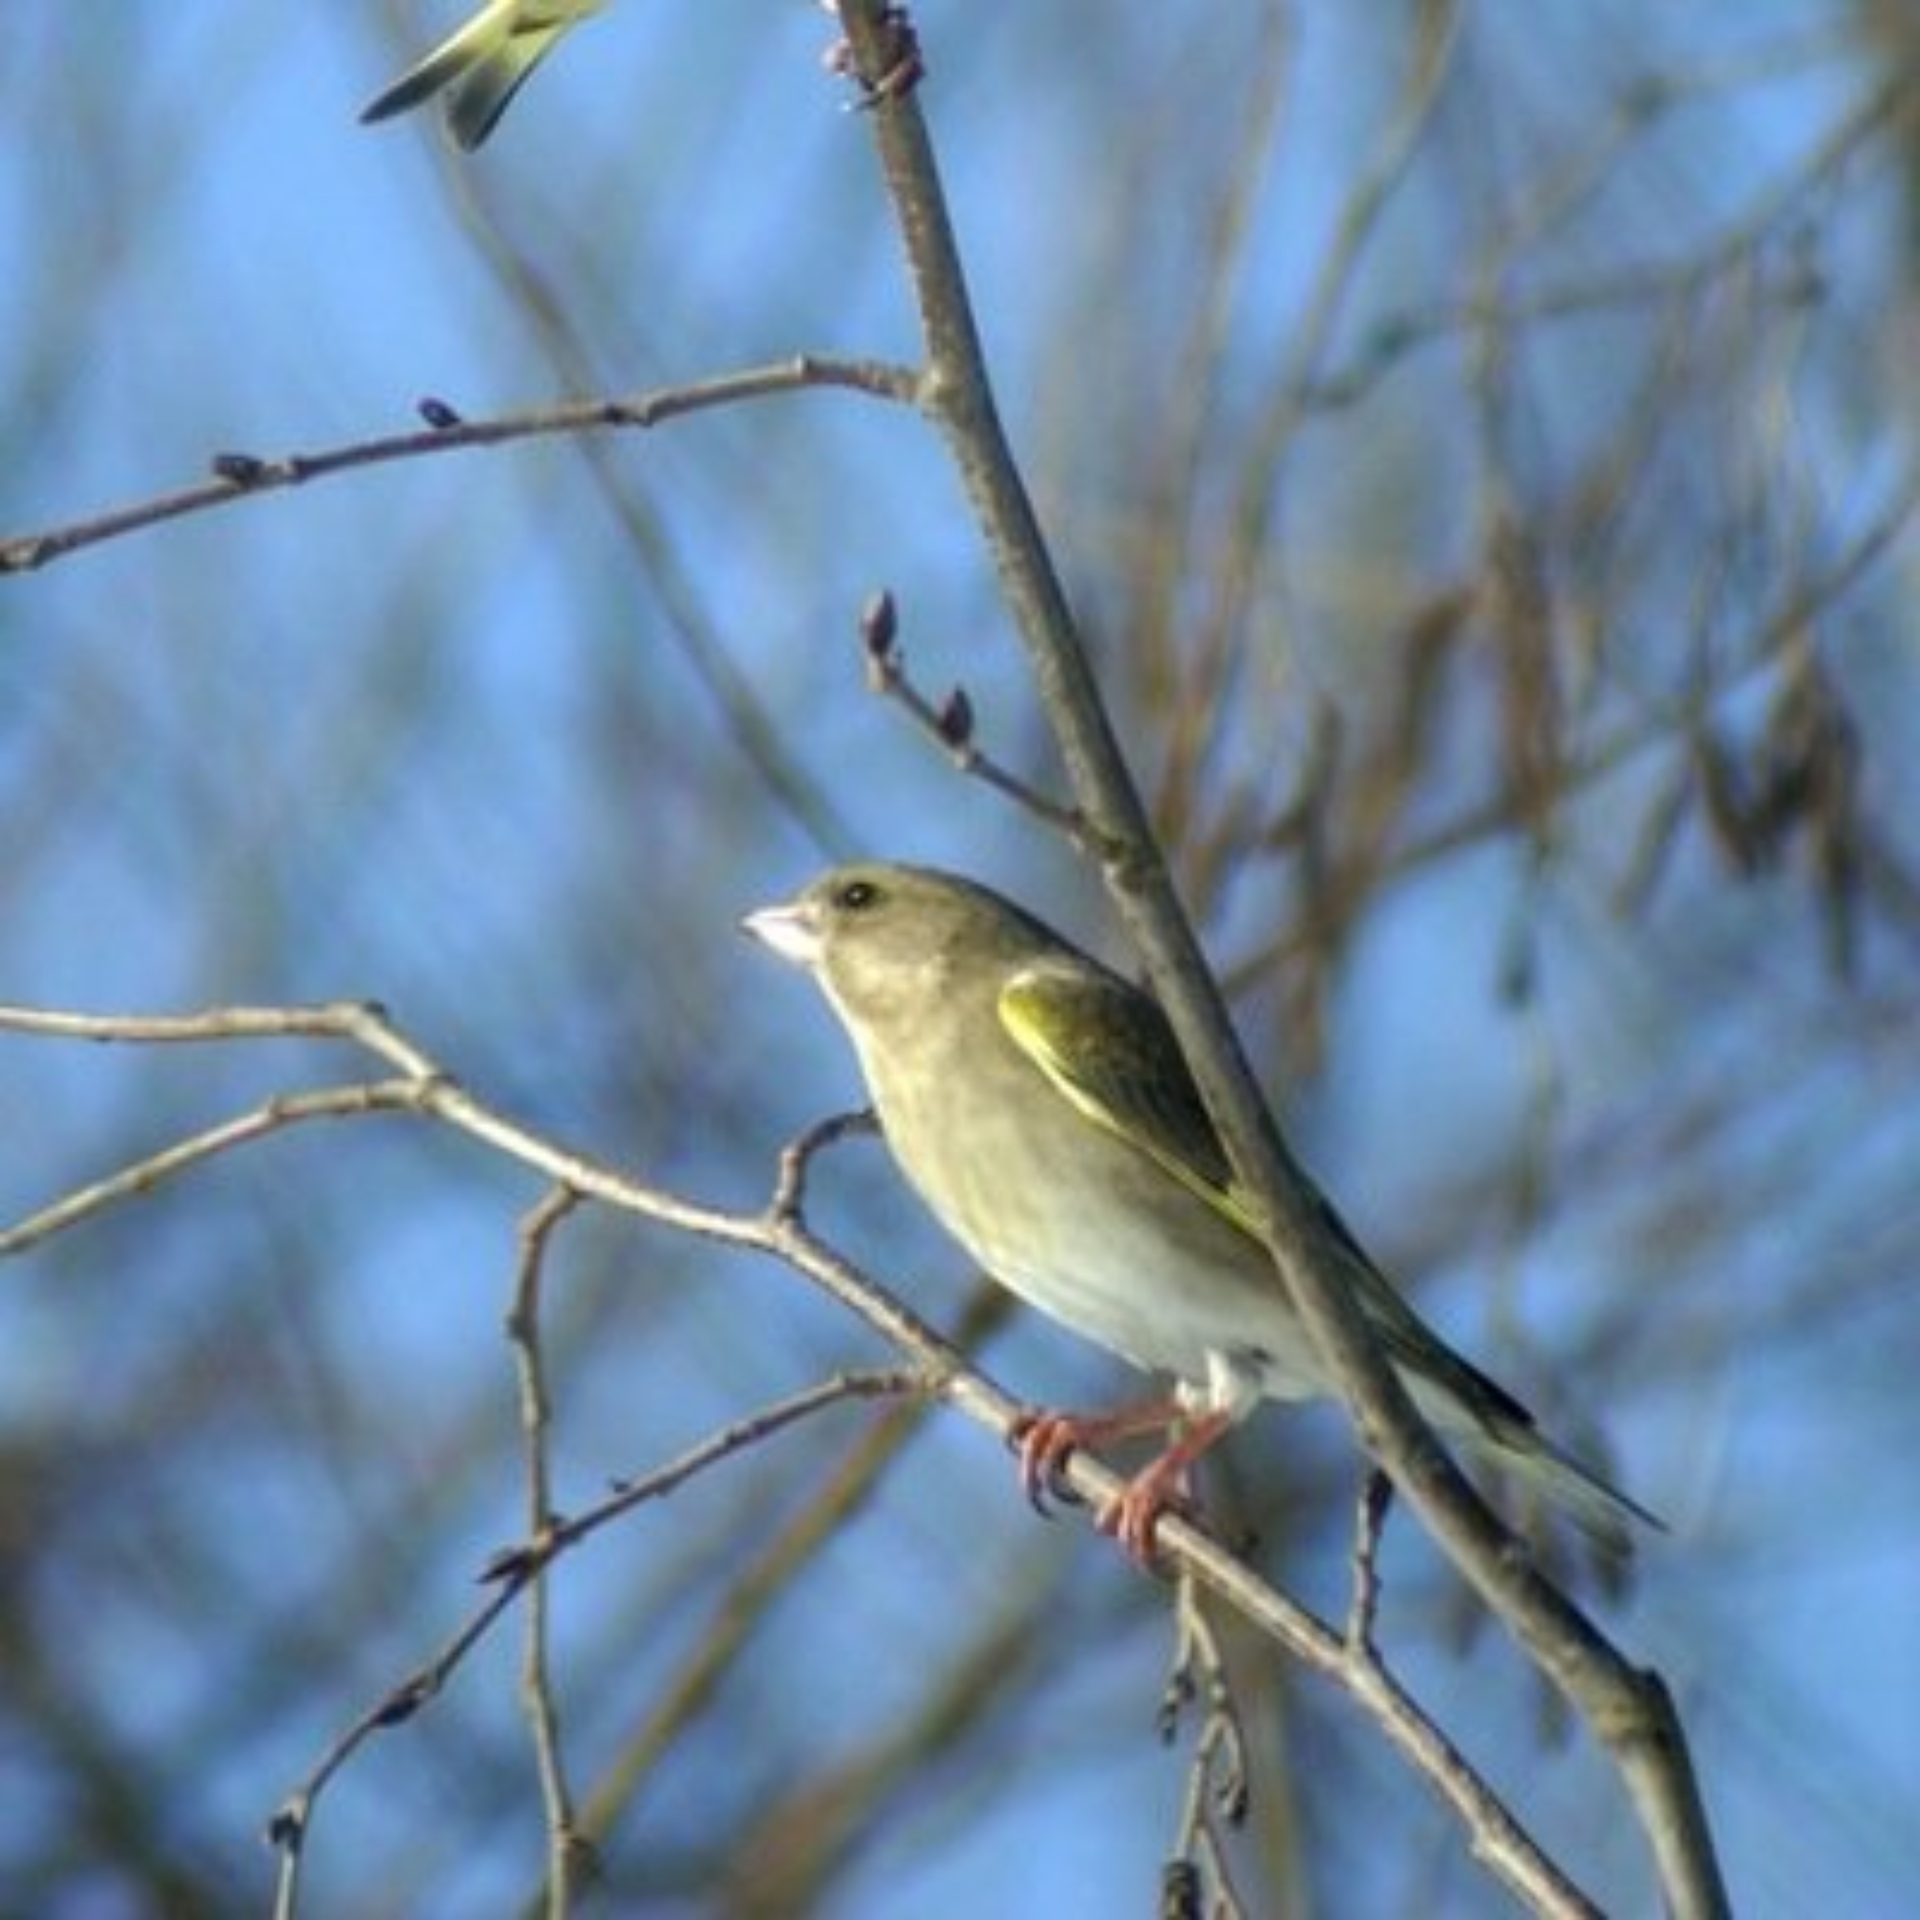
482,64
1040,1105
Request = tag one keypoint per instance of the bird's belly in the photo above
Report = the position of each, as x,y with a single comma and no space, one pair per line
1113,1249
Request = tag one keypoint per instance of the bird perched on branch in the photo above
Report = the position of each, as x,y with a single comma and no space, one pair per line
1040,1105
481,65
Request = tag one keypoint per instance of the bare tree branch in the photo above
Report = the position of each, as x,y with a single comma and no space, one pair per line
1627,1708
242,476
937,1367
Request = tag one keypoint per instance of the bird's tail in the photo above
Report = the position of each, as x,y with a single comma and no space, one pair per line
1513,1444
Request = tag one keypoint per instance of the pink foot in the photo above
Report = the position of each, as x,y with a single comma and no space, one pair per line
1043,1440
1161,1484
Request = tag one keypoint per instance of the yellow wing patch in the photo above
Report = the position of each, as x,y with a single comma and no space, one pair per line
1108,1051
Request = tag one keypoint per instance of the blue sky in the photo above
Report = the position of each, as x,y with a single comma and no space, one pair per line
439,733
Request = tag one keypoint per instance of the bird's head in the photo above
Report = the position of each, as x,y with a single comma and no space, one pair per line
884,938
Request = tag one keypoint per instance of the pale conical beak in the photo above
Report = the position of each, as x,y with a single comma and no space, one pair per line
788,929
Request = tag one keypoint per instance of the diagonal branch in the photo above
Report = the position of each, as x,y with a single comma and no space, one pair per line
1628,1708
933,1365
241,476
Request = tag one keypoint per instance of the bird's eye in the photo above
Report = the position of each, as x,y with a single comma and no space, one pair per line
856,896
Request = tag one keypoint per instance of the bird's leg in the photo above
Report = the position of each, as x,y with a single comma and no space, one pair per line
1043,1440
1161,1483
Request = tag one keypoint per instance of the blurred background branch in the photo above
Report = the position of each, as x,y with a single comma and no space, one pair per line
1528,717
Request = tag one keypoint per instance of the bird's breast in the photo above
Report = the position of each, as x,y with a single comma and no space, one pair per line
1080,1224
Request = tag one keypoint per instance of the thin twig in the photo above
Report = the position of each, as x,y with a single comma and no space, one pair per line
790,1178
278,1114
569,1854
1217,1789
952,723
1369,1522
242,476
513,1569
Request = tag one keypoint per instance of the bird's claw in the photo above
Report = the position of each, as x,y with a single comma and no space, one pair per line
1133,1514
1043,1441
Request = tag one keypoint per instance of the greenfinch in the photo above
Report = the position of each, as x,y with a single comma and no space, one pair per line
1041,1107
481,65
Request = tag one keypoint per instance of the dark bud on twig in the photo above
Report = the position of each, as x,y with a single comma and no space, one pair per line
288,1827
511,1563
1180,1891
1175,1698
955,720
905,68
241,469
879,624
404,1701
438,415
